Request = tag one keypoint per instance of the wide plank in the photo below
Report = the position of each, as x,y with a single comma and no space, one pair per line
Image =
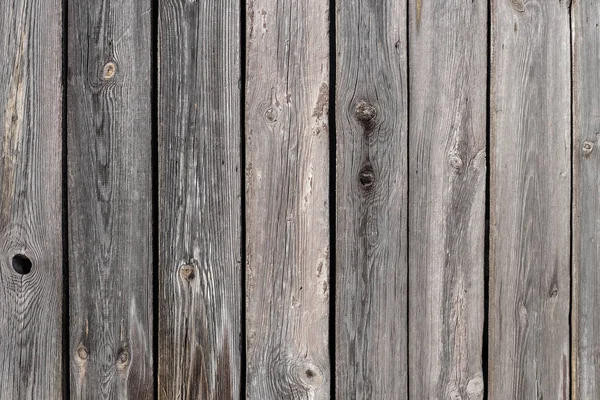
31,260
585,344
199,135
447,164
109,199
287,199
530,207
371,200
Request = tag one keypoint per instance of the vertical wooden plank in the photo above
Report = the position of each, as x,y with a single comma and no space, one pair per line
530,200
447,164
200,300
371,200
585,17
287,193
30,200
109,166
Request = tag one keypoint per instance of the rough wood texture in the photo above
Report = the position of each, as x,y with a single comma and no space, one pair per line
31,199
586,203
287,189
200,300
447,138
109,167
530,200
371,201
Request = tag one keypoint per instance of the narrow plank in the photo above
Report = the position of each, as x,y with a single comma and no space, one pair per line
287,194
200,300
530,200
371,200
109,168
447,164
31,200
585,17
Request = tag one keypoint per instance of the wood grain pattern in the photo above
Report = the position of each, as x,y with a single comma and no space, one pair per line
371,201
447,164
530,200
585,17
200,301
287,193
31,199
109,172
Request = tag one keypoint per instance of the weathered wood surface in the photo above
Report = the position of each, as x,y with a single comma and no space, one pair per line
447,164
586,203
200,298
371,201
287,195
31,200
109,171
530,200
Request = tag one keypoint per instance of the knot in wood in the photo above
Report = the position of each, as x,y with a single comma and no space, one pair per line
187,271
109,70
123,357
82,352
366,176
587,148
365,111
310,375
271,115
456,162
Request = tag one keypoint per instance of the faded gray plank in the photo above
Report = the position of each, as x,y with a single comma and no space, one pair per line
287,189
586,203
30,199
447,164
371,201
109,167
530,200
200,300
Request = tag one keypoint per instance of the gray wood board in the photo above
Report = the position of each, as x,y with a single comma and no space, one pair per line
371,200
586,203
287,195
109,180
31,199
530,200
200,298
447,164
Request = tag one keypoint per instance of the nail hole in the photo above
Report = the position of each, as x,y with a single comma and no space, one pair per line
21,264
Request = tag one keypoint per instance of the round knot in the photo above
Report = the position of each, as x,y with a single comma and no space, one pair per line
271,115
587,148
82,352
187,271
456,162
364,111
109,70
310,375
366,176
123,357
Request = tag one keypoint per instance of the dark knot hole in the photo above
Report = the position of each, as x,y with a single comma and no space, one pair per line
21,264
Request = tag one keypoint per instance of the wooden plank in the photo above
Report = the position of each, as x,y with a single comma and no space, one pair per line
109,167
200,300
447,164
371,201
287,193
530,200
31,200
585,17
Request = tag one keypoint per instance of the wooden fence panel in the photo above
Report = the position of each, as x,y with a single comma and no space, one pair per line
31,266
200,300
530,200
287,195
109,168
447,164
586,203
371,201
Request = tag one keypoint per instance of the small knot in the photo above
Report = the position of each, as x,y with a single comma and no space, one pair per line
456,162
82,352
310,375
364,111
123,357
109,70
366,176
271,115
587,148
187,271
553,293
